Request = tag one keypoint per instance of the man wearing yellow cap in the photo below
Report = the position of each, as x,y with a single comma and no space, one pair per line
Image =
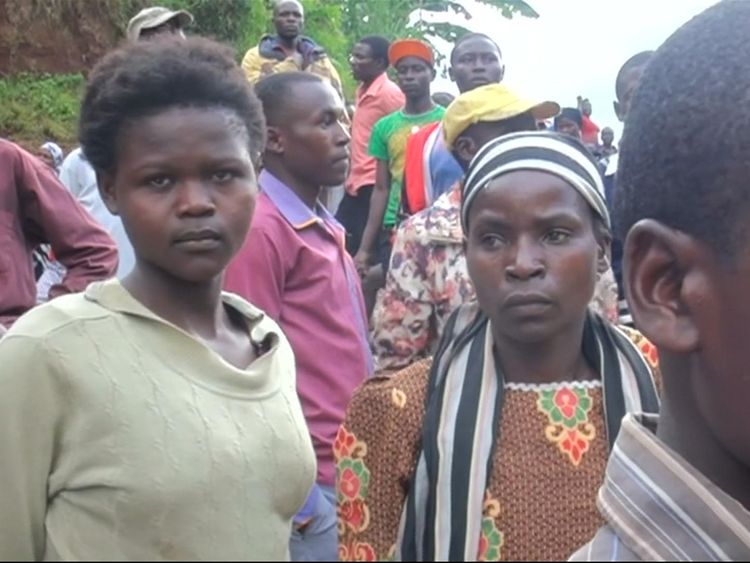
414,64
427,279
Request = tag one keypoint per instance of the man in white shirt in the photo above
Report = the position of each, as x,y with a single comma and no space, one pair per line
79,177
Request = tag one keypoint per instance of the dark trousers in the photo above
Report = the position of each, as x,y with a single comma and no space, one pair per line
352,214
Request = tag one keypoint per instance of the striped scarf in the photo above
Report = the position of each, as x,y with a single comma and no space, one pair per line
442,517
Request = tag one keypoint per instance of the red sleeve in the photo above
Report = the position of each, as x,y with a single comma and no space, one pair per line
49,213
257,272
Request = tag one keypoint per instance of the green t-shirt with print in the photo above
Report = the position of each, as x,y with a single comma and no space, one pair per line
388,142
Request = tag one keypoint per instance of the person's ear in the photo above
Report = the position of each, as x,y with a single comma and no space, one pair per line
450,74
618,110
274,140
433,73
105,182
465,148
661,270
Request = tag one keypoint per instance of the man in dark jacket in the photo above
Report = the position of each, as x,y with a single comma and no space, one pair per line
288,50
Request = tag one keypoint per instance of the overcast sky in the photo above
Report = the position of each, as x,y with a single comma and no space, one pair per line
577,46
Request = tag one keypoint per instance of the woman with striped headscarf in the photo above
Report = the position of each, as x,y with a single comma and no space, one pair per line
496,448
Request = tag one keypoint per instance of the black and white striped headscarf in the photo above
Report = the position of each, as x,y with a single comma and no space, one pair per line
549,152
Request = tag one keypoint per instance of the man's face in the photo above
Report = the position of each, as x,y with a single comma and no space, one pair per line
586,108
288,19
364,67
414,76
476,62
312,141
568,127
477,135
608,136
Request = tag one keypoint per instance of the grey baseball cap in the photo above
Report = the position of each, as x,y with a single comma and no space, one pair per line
149,18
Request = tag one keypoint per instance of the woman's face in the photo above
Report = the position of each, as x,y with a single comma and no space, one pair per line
185,188
533,255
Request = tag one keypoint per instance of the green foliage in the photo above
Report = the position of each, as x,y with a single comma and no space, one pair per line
337,24
37,108
410,18
237,22
324,22
396,19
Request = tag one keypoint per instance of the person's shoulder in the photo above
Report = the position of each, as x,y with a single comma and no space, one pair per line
389,120
11,152
267,215
265,43
57,317
10,146
413,226
253,51
383,129
440,222
397,389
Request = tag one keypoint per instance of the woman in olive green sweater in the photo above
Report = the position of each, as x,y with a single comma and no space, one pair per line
157,418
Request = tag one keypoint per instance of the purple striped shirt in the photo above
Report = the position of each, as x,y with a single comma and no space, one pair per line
659,508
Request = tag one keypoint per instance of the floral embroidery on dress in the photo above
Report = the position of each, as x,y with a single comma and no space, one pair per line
567,409
491,538
356,551
649,352
353,479
647,349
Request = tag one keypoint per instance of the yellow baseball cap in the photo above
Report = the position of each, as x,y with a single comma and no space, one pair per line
492,102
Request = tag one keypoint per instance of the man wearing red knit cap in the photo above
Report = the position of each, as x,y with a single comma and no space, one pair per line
414,64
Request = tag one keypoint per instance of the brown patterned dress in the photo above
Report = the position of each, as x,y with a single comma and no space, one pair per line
550,463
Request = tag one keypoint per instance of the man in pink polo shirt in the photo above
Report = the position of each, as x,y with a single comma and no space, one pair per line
377,96
294,267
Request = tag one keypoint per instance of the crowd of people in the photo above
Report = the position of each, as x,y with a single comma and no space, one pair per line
510,340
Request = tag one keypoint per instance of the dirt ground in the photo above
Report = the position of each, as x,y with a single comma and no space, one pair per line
83,31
